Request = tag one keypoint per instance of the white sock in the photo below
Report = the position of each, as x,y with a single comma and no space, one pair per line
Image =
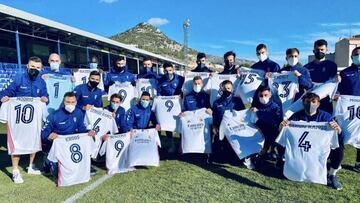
30,165
333,172
357,163
15,171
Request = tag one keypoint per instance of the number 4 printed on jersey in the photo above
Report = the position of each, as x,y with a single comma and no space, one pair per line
304,144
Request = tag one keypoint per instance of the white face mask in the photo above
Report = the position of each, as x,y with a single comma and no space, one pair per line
197,88
264,100
54,66
292,61
70,108
356,59
114,106
262,57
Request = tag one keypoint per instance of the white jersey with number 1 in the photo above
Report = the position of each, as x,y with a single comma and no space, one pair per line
82,77
148,85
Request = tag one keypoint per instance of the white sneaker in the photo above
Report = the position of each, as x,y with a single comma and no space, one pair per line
249,164
33,170
17,177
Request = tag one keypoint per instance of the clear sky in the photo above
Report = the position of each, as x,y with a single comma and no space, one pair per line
216,26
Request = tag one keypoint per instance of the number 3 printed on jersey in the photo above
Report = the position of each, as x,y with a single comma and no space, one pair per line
286,90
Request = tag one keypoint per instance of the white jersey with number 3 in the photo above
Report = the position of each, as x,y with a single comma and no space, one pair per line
307,145
167,110
73,154
24,117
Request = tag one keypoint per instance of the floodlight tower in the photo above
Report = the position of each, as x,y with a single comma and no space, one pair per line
186,26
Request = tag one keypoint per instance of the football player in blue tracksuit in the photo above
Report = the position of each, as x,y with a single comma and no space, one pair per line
321,70
201,67
350,85
312,112
118,112
170,84
229,60
140,116
147,72
119,73
303,75
222,149
55,66
28,84
197,99
88,95
66,120
264,62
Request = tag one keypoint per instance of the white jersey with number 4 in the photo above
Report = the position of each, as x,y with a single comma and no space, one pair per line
347,114
167,110
82,77
24,117
250,80
239,129
212,87
126,91
116,149
285,85
73,154
307,145
195,132
143,149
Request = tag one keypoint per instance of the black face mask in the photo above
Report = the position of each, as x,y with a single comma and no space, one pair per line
33,73
226,94
169,76
228,64
319,55
119,68
93,84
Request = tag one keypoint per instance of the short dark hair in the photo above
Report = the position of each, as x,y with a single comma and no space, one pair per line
35,59
354,50
263,89
260,46
320,42
147,59
200,55
310,96
69,94
225,82
292,50
167,64
113,96
145,93
120,58
197,78
229,53
95,72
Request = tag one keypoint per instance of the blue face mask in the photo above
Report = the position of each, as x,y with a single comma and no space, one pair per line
144,103
93,65
114,106
356,59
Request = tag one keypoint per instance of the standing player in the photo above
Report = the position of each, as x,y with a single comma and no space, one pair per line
147,72
88,95
264,62
28,84
321,70
200,61
169,85
312,112
197,99
119,73
229,60
350,85
55,66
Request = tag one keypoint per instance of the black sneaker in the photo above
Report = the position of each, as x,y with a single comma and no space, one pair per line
334,183
93,171
357,168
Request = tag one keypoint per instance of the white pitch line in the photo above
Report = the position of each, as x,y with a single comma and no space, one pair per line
81,193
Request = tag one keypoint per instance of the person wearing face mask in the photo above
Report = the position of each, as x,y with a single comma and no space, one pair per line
119,73
147,72
88,95
350,85
201,67
55,67
66,120
118,112
322,70
197,99
226,102
303,75
229,60
140,116
264,62
269,117
312,112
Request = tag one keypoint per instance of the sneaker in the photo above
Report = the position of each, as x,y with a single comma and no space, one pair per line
334,183
357,167
17,177
249,164
93,171
33,170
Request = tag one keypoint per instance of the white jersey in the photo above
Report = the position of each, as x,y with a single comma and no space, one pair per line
250,80
307,145
24,117
82,77
347,114
239,128
212,87
73,154
328,88
195,132
148,85
143,149
126,91
116,149
188,81
167,110
285,85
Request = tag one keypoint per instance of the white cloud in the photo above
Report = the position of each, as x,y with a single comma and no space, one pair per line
339,24
215,46
243,42
108,1
158,21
